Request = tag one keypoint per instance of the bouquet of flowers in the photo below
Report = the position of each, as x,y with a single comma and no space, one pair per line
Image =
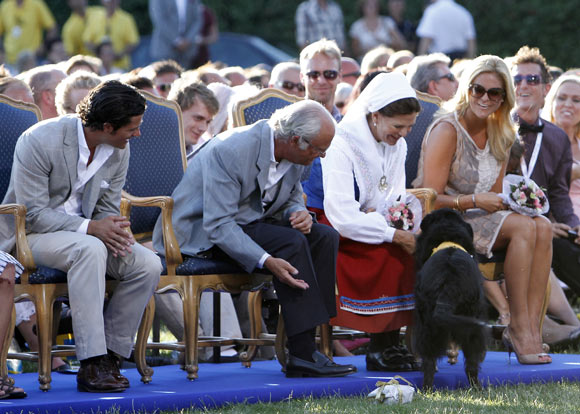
405,213
524,196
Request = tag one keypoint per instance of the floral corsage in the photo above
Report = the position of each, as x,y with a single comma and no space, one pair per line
524,196
404,213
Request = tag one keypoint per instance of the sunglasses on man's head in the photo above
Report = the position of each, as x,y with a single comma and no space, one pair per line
290,85
530,79
328,74
494,94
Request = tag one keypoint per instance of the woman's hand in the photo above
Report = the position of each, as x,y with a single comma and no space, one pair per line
489,202
406,240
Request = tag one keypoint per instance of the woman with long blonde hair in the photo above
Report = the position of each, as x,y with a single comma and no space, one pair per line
464,158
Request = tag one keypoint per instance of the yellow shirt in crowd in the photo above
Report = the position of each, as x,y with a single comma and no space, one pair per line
72,32
120,28
22,26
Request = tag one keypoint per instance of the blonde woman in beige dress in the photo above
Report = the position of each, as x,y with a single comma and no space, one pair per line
463,158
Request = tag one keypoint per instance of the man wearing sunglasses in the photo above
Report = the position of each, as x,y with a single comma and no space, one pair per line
286,77
431,74
162,73
320,67
554,161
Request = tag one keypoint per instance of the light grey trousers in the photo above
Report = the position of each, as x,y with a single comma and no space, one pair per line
86,261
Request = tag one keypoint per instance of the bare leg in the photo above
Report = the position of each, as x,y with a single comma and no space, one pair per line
559,305
518,234
6,298
26,329
497,298
540,273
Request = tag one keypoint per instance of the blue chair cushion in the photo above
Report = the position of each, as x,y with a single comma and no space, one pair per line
264,109
45,275
203,266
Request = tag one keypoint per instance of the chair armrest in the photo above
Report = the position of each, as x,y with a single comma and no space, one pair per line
173,256
23,253
427,196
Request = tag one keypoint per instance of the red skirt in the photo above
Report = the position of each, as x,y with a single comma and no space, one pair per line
374,285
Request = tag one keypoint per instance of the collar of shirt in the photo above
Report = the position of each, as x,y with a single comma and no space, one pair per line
275,172
102,154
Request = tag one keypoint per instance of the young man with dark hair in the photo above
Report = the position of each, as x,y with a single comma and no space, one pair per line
69,173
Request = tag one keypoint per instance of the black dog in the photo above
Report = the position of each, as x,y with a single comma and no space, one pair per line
448,294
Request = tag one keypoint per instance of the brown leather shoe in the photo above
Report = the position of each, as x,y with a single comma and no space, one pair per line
111,363
96,377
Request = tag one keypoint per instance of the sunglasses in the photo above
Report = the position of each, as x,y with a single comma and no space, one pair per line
530,79
164,87
290,85
449,76
328,74
494,94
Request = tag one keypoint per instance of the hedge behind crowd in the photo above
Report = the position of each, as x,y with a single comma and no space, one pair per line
502,25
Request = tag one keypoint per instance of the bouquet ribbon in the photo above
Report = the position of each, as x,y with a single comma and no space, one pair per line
380,393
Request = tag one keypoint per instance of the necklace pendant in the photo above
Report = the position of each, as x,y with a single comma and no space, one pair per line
383,185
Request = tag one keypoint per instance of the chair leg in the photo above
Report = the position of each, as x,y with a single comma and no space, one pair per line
326,340
141,344
191,301
255,313
44,320
280,345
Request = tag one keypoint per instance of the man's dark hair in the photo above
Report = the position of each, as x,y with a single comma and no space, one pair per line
113,102
139,82
166,66
528,54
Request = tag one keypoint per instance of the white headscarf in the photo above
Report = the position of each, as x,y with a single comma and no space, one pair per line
374,160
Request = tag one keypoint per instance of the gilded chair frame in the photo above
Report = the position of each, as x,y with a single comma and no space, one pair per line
238,114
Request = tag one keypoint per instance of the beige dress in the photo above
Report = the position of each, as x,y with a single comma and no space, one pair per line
473,170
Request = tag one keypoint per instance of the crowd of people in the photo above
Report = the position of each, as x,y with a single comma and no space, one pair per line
336,258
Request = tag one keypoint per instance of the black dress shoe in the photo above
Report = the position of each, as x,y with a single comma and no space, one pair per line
111,363
321,367
393,363
96,377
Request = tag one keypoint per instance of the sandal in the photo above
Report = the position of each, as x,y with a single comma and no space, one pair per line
9,391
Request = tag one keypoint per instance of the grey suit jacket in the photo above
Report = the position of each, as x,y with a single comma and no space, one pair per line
163,14
222,189
44,172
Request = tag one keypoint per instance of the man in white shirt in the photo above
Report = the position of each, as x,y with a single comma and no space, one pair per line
69,172
448,28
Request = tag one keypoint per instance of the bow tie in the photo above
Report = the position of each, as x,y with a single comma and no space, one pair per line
525,128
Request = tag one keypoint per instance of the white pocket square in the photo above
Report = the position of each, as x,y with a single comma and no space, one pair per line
105,184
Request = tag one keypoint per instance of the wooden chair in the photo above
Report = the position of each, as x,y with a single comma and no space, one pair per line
156,167
40,284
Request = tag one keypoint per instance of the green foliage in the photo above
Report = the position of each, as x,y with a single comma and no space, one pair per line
502,25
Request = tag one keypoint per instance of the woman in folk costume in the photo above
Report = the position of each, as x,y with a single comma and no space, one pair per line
363,175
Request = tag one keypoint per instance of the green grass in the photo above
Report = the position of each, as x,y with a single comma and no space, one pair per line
557,398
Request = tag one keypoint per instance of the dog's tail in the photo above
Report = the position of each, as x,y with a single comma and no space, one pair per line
443,315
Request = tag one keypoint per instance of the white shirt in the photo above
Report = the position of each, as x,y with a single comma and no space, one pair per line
339,169
73,204
448,24
368,39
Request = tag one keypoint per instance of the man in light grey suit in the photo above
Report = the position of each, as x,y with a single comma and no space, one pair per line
241,197
68,172
176,29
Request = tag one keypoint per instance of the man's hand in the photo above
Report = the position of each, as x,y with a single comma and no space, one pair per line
284,271
301,221
560,230
111,231
406,240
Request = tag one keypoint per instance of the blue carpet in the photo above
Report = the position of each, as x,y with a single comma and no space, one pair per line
219,384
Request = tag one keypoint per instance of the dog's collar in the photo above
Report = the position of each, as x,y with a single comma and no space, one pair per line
446,245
